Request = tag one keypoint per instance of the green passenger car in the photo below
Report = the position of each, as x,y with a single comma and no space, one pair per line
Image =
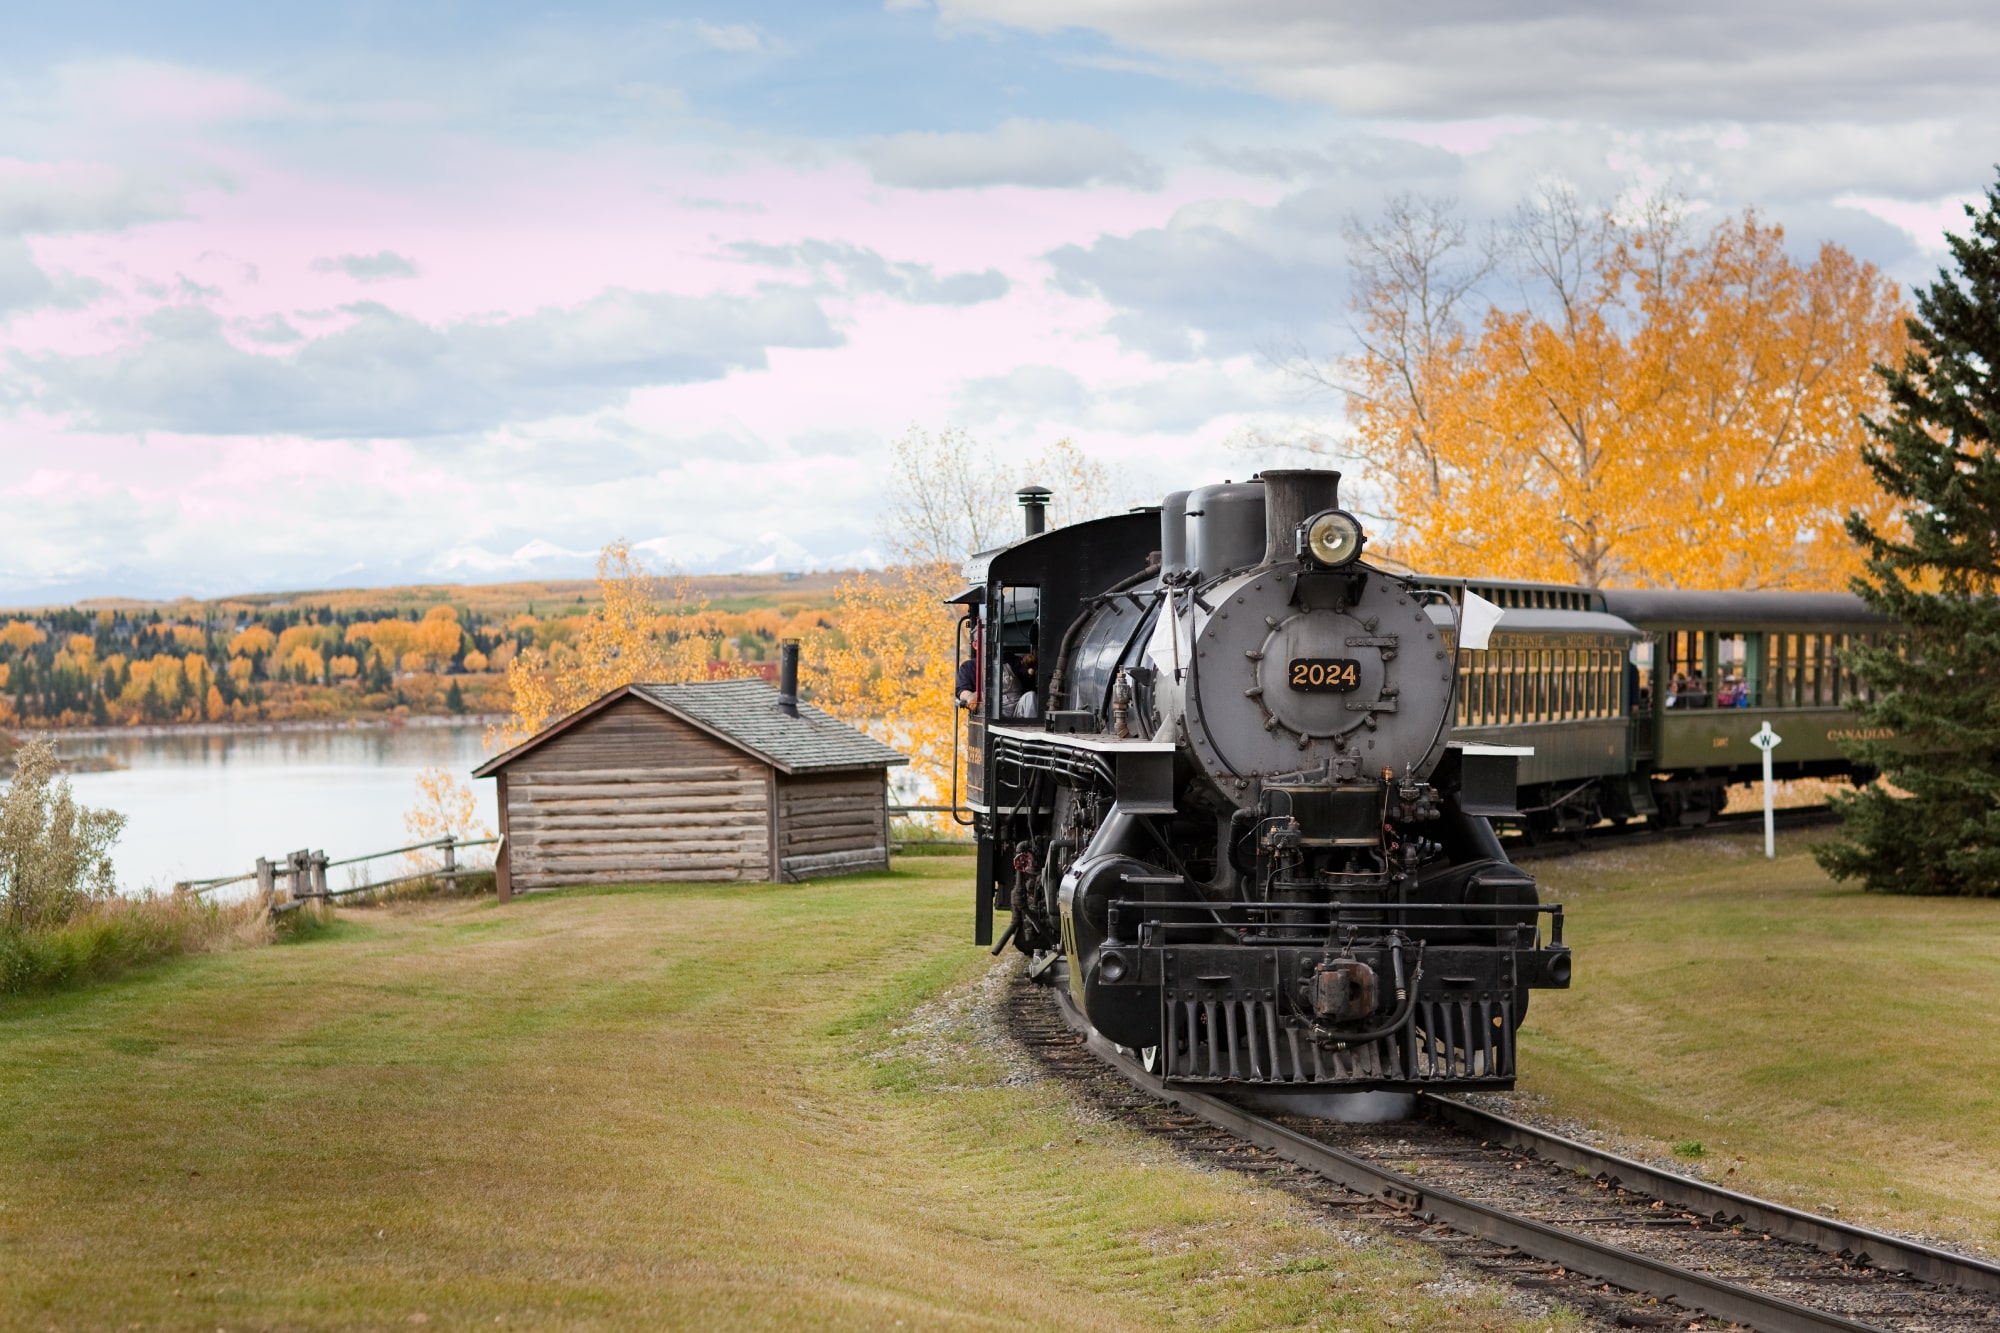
1643,702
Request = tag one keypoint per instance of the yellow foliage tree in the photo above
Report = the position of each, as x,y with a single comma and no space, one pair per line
21,635
647,629
305,658
444,806
252,641
1661,409
889,669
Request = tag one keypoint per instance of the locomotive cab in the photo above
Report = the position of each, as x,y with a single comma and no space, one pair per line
1239,834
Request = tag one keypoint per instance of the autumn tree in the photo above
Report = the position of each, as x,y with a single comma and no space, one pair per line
645,628
445,806
890,666
1936,682
1611,399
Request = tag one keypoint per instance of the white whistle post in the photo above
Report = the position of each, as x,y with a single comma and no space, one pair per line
1766,740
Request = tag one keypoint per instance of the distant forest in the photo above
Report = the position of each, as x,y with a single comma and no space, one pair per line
391,652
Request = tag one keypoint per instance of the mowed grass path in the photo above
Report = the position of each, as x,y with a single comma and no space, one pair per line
683,1106
1825,1047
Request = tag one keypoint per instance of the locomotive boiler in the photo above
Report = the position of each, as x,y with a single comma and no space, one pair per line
1211,767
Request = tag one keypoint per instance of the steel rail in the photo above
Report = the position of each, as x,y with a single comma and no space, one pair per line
1699,1293
1605,837
1872,1249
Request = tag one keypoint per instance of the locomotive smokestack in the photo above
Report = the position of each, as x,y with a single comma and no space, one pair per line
788,678
1034,509
1291,497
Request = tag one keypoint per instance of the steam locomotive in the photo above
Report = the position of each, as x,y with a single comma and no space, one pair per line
1232,820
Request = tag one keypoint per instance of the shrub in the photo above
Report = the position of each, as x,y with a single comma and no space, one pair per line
55,856
112,936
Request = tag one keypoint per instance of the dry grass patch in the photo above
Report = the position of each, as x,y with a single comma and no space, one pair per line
683,1106
1827,1047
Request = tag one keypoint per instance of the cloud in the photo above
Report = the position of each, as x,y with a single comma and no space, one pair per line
1925,222
38,198
1462,59
863,270
1040,154
368,268
22,282
1182,401
733,37
1223,277
387,375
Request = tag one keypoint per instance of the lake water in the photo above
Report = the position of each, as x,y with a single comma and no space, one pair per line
203,806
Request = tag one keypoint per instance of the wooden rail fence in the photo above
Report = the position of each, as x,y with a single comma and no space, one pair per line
907,844
304,874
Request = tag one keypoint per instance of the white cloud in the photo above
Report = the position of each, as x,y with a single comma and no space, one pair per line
738,38
1780,59
1923,221
38,198
862,270
383,264
1035,153
387,375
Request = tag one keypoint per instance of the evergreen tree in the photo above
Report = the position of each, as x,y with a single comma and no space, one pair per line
1937,683
454,698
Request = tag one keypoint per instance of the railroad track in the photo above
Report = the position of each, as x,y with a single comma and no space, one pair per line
1628,1245
1607,836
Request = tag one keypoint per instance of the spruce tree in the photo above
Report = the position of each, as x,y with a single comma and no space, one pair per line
1936,681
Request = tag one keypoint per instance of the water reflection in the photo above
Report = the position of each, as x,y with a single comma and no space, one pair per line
204,805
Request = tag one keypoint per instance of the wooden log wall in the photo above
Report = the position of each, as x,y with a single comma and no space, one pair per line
834,824
633,795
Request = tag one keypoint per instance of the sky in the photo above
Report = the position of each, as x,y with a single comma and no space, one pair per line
355,294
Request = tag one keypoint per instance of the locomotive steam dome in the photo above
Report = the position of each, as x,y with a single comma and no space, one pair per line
1298,669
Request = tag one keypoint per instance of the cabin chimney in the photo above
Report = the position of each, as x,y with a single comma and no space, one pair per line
1034,509
788,678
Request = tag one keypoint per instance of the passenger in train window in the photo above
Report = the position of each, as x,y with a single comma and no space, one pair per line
966,687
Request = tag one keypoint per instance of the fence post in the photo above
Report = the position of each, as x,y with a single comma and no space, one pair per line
267,882
450,856
316,864
295,876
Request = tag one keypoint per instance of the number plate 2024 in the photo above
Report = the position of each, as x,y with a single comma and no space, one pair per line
1337,675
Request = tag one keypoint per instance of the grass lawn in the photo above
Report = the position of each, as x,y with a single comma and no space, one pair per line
1824,1047
690,1106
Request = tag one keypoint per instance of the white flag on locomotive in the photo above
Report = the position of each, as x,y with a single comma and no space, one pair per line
1476,619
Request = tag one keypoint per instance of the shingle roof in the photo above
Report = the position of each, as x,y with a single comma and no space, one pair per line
746,712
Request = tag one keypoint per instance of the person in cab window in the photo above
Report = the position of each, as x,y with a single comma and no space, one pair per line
966,687
1026,704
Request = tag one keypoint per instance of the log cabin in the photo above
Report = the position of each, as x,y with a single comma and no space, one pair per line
706,780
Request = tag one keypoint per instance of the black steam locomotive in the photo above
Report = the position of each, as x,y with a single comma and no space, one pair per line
1212,769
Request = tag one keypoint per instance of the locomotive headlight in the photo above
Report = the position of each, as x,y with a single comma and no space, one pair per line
1333,538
